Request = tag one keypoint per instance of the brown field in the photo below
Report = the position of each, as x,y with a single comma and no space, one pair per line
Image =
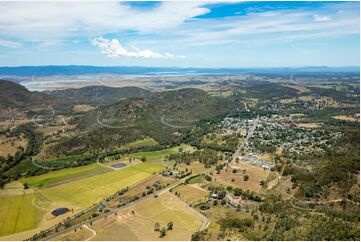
309,125
83,108
11,124
299,88
256,175
15,188
142,187
192,194
8,146
54,129
195,167
287,100
347,118
306,98
136,222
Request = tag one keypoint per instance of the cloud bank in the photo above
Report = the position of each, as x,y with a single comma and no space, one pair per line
113,48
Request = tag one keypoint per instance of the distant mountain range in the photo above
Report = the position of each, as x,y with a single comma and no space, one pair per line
138,70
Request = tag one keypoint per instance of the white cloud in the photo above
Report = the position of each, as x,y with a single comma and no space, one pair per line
319,18
37,20
9,43
113,48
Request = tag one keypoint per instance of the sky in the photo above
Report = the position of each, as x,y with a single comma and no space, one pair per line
180,34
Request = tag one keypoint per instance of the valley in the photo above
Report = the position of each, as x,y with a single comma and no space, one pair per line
246,156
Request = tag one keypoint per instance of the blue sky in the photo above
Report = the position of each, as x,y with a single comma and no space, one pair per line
195,34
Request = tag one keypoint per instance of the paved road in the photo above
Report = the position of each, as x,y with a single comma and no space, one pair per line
250,133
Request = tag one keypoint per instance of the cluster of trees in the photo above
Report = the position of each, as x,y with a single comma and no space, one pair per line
163,231
34,142
208,157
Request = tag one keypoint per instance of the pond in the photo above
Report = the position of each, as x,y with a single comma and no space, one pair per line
59,211
118,165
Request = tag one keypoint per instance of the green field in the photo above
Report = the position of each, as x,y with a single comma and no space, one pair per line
85,192
65,175
78,187
18,213
155,156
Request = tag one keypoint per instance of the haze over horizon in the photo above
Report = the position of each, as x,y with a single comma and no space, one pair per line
180,34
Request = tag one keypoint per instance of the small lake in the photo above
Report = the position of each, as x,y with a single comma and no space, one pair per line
119,165
59,211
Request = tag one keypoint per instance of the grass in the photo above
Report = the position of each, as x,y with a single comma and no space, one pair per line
85,192
256,175
156,156
65,175
191,195
18,214
195,179
74,188
137,221
8,146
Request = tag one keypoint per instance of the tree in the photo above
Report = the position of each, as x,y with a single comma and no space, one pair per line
26,186
170,226
245,178
163,232
143,159
156,226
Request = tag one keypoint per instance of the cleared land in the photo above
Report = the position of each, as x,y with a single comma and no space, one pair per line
256,175
191,194
18,214
347,118
87,191
74,188
8,146
83,108
65,175
137,222
309,125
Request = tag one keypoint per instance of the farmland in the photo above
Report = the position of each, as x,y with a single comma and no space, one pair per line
279,162
191,194
65,175
137,221
73,188
87,191
235,176
18,214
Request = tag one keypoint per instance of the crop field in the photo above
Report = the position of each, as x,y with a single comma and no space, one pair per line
137,221
191,194
18,213
65,175
84,192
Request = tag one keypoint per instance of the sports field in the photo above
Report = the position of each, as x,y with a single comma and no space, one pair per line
18,213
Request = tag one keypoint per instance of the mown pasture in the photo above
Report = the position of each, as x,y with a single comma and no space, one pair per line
85,192
65,175
18,213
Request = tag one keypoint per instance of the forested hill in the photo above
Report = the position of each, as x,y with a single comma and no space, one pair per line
101,94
